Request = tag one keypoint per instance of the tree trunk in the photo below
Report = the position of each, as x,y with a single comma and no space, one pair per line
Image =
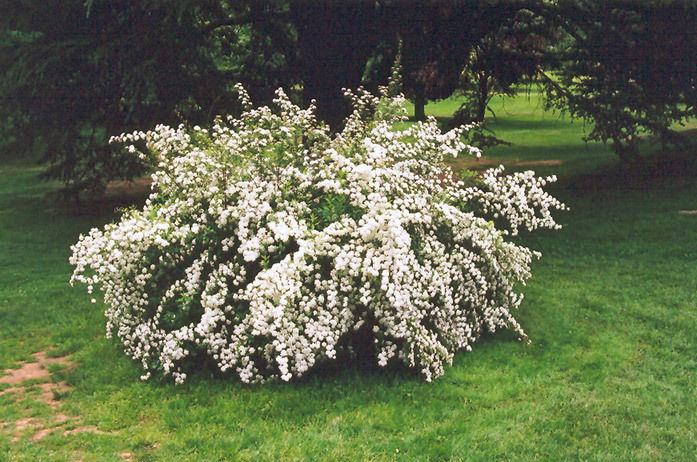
483,98
419,103
628,153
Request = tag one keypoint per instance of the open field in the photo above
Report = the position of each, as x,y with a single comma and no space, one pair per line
611,373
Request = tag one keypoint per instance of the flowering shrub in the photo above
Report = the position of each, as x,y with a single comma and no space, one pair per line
267,245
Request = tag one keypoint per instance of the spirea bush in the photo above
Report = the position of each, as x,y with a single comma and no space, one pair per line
269,245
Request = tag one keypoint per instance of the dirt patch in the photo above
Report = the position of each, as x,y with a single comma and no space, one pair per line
538,162
37,372
137,187
22,425
49,391
29,371
60,418
687,212
84,428
487,162
45,391
27,422
33,371
41,434
117,194
30,423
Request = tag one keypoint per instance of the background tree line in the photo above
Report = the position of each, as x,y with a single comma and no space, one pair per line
75,72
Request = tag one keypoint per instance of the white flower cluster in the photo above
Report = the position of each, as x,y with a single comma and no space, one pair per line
268,246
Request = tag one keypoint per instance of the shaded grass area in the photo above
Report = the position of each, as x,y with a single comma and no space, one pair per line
611,373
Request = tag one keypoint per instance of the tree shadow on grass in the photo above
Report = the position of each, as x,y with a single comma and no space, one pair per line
358,373
346,367
654,171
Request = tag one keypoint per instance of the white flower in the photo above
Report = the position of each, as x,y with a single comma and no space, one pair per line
363,171
267,268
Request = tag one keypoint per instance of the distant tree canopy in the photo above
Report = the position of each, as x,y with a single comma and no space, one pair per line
629,67
75,72
449,48
504,57
336,40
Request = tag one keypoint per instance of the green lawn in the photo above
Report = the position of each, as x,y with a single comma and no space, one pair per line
611,373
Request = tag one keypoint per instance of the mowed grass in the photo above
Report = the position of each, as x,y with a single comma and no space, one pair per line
611,373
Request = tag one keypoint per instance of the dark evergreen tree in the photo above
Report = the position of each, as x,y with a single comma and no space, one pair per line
74,73
628,67
505,57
